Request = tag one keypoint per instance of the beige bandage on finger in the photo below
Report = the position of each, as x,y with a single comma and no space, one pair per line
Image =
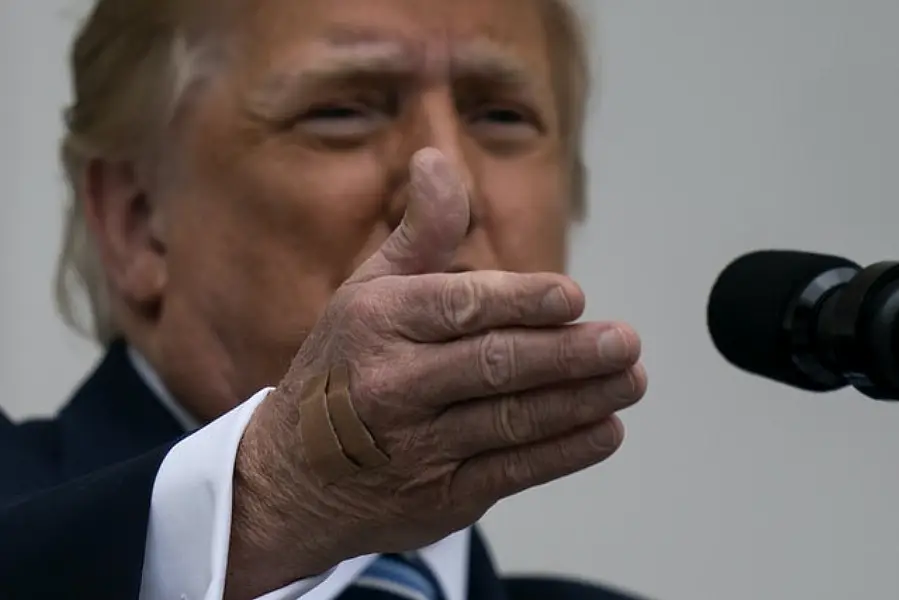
336,441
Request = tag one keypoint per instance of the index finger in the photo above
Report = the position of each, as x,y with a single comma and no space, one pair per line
445,306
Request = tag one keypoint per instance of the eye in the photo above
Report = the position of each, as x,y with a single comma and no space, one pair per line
503,124
335,111
503,116
341,121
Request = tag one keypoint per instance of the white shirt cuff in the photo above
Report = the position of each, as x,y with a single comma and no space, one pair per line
190,515
189,529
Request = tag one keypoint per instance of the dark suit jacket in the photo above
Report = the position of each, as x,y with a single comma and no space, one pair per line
75,495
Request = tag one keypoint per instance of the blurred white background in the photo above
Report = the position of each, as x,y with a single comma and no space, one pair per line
724,126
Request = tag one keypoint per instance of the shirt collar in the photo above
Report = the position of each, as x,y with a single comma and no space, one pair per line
153,381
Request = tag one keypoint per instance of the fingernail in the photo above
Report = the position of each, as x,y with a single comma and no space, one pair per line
433,173
428,158
607,435
615,432
623,387
613,346
556,301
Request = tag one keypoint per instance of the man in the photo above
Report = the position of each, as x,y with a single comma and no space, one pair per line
354,214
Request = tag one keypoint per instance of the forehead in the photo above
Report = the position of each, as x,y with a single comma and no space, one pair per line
288,33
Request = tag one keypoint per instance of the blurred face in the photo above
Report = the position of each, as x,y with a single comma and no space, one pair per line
293,168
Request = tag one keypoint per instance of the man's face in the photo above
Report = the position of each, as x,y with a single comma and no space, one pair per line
293,168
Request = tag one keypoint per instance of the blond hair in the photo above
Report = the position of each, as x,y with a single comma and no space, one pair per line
133,61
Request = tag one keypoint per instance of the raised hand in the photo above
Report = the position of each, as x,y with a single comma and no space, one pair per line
473,386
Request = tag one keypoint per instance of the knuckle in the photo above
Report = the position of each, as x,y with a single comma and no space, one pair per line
369,310
566,355
564,457
583,405
513,421
360,305
496,362
520,469
460,304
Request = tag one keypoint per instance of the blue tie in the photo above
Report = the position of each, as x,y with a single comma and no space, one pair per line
393,577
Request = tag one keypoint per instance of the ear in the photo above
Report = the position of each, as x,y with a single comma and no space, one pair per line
127,228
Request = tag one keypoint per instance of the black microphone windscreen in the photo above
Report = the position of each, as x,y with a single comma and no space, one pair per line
749,303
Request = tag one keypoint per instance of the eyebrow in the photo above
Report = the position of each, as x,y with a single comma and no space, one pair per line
488,61
335,62
345,55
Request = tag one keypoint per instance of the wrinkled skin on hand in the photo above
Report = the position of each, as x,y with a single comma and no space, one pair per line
477,385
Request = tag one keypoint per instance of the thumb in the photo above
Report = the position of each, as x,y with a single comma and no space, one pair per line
435,223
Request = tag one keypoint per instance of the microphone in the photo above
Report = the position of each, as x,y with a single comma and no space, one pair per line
811,321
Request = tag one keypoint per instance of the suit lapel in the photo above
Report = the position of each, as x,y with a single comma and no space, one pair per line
112,417
484,582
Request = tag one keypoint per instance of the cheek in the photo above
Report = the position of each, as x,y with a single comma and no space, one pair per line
527,214
317,212
278,236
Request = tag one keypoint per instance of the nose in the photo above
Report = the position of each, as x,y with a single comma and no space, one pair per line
436,123
431,119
